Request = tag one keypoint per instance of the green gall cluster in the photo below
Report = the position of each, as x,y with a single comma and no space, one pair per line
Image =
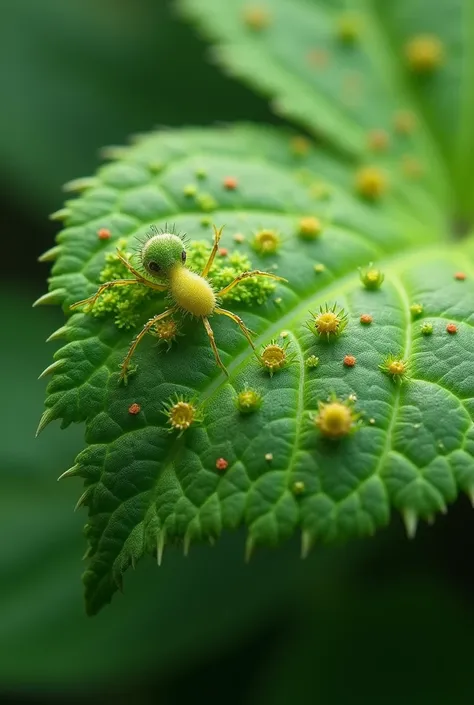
254,290
125,302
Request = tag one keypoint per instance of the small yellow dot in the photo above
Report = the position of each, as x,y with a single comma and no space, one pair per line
268,457
318,268
371,182
424,53
309,228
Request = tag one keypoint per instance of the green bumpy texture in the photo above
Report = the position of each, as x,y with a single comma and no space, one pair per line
413,448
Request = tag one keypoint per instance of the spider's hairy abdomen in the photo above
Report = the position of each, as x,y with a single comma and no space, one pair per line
191,292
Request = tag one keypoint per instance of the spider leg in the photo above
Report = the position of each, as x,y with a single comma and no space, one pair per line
103,287
210,333
217,237
240,323
140,277
246,275
149,324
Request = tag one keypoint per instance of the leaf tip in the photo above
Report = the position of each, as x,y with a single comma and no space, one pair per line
51,298
307,542
45,419
410,519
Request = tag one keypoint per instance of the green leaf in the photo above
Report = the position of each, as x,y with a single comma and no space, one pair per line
147,487
45,639
341,70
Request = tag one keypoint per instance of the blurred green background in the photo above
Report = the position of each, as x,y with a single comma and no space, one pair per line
385,621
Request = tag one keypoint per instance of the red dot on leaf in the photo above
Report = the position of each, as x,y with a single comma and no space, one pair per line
349,361
104,234
366,318
222,464
460,276
134,409
230,183
223,251
452,328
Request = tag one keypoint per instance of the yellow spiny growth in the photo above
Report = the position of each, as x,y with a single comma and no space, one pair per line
329,322
274,357
336,418
395,367
182,414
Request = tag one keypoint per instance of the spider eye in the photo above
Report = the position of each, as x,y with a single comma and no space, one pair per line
183,255
153,266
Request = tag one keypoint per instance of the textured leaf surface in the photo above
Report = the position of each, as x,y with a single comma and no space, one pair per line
342,89
146,487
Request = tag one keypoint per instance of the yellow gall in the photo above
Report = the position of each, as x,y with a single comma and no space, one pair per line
256,17
378,140
269,457
298,487
336,418
319,268
274,357
181,414
370,182
424,53
309,228
404,122
395,367
329,322
266,242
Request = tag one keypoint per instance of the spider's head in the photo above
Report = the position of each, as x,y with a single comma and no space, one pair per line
161,253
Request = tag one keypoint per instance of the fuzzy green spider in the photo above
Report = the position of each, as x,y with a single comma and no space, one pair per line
163,257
